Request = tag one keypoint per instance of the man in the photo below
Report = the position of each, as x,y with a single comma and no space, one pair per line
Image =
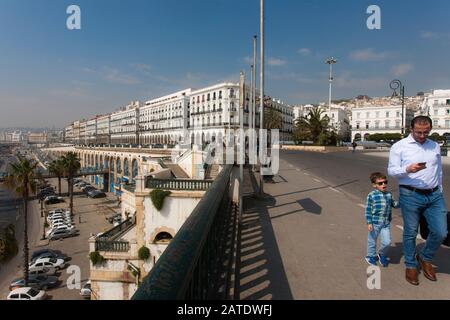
354,146
416,162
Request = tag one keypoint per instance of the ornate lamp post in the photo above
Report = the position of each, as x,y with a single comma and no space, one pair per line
394,85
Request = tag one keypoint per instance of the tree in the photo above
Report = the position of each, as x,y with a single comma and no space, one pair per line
21,179
272,119
313,123
56,167
71,165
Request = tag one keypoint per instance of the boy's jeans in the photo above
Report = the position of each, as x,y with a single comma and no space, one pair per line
433,207
384,232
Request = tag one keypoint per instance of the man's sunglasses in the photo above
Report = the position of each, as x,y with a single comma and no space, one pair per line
382,182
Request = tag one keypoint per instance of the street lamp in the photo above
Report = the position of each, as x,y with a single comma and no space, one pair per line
330,61
394,85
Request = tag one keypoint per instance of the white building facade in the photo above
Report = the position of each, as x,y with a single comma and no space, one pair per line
91,131
165,119
103,129
383,119
437,106
124,124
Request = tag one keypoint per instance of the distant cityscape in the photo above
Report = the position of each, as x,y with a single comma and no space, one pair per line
215,109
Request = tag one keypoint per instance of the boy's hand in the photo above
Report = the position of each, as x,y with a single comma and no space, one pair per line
370,227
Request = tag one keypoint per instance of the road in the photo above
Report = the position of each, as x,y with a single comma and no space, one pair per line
350,172
306,239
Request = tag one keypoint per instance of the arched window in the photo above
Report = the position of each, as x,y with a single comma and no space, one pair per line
163,237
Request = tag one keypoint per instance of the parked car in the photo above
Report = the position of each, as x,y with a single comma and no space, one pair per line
54,219
53,200
86,291
27,293
58,211
81,184
48,253
61,234
40,282
48,262
44,194
87,186
96,194
88,189
48,271
60,227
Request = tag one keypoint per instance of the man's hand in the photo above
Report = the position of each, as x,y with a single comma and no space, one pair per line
370,227
415,167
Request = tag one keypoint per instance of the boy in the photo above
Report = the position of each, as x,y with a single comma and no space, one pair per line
378,218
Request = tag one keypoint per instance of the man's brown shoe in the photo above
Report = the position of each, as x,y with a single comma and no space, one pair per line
412,276
427,268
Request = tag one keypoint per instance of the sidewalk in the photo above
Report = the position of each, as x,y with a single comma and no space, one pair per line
307,240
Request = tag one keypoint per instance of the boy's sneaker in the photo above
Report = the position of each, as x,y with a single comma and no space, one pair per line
383,260
372,260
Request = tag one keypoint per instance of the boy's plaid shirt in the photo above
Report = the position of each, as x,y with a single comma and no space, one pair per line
379,207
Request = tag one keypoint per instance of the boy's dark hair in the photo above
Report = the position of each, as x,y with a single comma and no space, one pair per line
376,175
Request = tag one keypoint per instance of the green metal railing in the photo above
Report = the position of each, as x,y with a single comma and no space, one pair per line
197,264
178,184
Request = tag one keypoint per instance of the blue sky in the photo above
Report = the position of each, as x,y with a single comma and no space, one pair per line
141,49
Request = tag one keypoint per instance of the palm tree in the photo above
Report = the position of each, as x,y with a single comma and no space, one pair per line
56,167
272,119
71,165
21,179
314,123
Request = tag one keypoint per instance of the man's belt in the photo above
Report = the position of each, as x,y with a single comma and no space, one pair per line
421,191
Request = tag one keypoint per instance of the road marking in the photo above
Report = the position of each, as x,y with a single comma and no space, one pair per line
316,180
298,170
335,190
361,205
291,166
306,174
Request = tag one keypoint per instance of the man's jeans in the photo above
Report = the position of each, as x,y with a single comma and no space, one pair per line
384,232
432,206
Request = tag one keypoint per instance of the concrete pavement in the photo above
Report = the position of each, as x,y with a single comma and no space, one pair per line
307,240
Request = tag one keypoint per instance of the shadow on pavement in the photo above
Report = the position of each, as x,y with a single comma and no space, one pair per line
260,272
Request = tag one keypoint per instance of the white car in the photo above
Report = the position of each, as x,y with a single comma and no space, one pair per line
49,262
27,293
59,214
60,219
59,227
61,234
86,291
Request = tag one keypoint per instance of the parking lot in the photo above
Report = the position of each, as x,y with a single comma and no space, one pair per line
89,218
